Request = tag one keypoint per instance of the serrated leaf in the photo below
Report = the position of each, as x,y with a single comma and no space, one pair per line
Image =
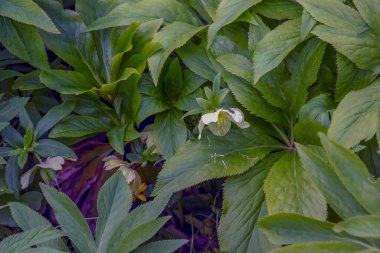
294,228
16,38
275,46
90,10
53,116
215,157
243,201
28,12
113,204
70,219
350,78
149,106
289,189
369,10
172,36
238,65
278,9
67,82
166,246
319,247
367,226
354,175
226,13
27,219
169,132
337,195
311,135
355,119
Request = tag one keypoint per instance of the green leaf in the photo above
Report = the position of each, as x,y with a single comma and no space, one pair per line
337,195
67,82
7,74
295,228
10,108
126,13
275,46
90,10
116,138
318,108
29,81
319,247
213,157
169,132
172,36
78,126
227,12
12,175
311,135
42,250
51,148
28,12
27,219
166,246
350,78
25,240
289,189
367,226
307,24
278,9
238,65
369,10
141,234
53,116
243,202
196,59
16,38
173,79
355,118
70,218
354,175
114,202
149,106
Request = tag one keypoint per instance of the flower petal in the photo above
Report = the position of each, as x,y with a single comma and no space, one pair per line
236,115
210,117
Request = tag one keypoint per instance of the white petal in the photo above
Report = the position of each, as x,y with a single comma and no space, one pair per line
243,124
210,117
236,115
25,178
105,159
201,125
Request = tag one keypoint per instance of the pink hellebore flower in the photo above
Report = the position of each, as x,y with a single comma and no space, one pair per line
219,122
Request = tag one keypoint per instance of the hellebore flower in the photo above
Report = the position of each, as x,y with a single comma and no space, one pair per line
54,163
131,176
219,122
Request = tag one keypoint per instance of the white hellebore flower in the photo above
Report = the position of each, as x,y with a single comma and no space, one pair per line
54,163
219,122
131,176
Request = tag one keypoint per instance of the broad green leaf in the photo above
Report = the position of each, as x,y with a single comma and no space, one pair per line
227,12
10,108
319,247
354,175
307,24
78,126
350,78
126,13
166,246
318,108
196,59
16,38
355,118
27,219
172,36
278,9
289,189
7,74
67,82
238,65
29,81
294,228
213,157
42,250
53,116
275,46
149,106
337,195
367,226
90,10
369,10
305,73
51,148
243,201
12,175
173,79
251,99
311,135
28,12
141,234
114,202
116,138
12,137
70,219
169,132
25,240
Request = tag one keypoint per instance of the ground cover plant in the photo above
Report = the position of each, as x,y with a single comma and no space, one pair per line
245,126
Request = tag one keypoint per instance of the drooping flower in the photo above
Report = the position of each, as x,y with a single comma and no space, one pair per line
131,176
219,122
54,163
